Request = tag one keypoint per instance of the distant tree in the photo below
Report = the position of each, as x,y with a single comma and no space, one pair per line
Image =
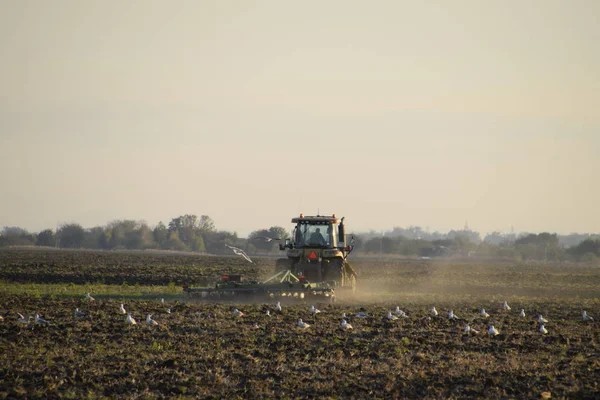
71,235
46,238
174,243
15,236
160,234
94,238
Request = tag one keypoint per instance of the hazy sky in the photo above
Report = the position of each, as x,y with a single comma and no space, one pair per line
391,113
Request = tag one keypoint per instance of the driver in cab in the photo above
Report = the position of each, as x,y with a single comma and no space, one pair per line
317,239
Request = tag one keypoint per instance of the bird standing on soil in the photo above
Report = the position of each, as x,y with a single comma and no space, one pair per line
78,314
542,329
484,314
506,306
399,312
39,320
451,315
314,310
23,320
302,324
391,317
493,331
268,313
122,309
468,329
150,321
168,311
541,319
586,317
1,318
278,306
237,313
239,252
522,313
89,298
129,320
345,325
434,311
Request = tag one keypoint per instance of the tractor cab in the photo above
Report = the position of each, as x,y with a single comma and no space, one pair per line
318,232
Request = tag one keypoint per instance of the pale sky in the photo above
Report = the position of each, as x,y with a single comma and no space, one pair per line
391,113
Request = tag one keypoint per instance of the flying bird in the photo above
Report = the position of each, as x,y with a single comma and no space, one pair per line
522,313
150,321
79,314
265,239
586,317
484,314
122,309
129,320
302,324
434,311
89,298
542,329
346,325
493,331
239,252
39,320
506,306
541,319
314,310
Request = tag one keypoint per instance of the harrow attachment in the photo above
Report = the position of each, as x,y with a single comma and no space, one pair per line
283,286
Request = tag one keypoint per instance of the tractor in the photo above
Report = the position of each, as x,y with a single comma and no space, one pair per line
317,252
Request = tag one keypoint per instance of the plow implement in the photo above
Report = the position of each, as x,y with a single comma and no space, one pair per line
283,286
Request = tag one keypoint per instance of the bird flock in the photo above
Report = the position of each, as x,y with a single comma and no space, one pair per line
277,308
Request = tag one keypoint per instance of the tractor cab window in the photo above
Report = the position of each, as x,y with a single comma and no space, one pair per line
314,235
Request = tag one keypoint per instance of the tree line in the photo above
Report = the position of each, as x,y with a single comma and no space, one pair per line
199,234
183,233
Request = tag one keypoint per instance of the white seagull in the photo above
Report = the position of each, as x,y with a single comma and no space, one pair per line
239,252
586,317
362,314
78,314
484,314
434,311
129,320
541,319
468,329
344,315
493,331
265,239
278,306
89,298
122,309
162,300
268,313
302,324
451,315
150,321
238,313
542,329
23,320
506,306
346,325
522,313
399,312
391,317
39,320
314,310
168,311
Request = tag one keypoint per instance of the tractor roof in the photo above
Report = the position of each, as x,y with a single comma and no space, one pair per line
318,218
